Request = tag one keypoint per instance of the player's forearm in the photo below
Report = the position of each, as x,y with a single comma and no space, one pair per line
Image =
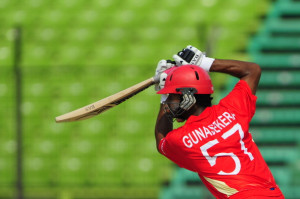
235,68
250,72
163,125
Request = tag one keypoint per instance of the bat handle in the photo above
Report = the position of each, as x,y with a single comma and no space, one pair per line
156,79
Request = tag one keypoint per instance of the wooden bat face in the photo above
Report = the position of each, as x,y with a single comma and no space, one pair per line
105,104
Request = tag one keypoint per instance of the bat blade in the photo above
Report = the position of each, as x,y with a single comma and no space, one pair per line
105,104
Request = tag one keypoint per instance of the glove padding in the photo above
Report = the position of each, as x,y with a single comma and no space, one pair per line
161,72
189,55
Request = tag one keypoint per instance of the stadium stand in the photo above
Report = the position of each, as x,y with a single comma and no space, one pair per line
275,126
73,53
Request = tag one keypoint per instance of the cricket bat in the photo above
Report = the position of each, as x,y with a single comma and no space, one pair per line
105,104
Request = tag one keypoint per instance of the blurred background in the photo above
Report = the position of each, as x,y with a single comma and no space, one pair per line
59,55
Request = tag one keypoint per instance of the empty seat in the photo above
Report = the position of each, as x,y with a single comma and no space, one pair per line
279,154
179,192
278,97
183,177
276,134
280,79
7,170
276,116
290,191
269,44
286,9
275,61
282,27
283,174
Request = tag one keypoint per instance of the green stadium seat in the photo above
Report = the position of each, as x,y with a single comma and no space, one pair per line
37,89
44,34
8,127
6,4
79,35
275,124
6,91
282,79
39,171
7,170
276,61
179,192
288,1
74,171
274,44
290,191
183,176
31,5
8,145
279,154
6,55
283,175
278,97
89,17
185,184
70,5
282,27
36,55
276,116
276,134
286,8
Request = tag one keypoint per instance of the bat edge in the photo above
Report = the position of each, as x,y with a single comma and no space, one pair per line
65,118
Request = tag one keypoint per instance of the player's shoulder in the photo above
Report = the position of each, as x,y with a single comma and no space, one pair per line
240,92
242,85
173,137
174,133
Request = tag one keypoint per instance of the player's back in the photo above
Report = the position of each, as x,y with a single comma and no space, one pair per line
223,153
218,146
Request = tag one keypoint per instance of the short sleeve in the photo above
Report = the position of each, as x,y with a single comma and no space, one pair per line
241,100
169,147
161,146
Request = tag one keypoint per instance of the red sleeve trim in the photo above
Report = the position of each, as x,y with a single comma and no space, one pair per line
161,146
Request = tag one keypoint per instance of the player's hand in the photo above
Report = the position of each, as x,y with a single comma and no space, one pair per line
161,73
189,55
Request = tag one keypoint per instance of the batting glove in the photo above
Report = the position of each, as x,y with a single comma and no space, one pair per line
161,73
162,70
191,55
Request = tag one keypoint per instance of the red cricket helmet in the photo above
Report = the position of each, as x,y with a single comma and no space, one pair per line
188,76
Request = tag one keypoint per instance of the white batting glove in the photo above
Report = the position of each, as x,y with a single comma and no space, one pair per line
191,55
160,73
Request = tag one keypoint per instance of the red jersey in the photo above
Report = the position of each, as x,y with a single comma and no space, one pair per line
218,146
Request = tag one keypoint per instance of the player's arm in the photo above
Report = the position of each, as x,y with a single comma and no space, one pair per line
163,126
247,71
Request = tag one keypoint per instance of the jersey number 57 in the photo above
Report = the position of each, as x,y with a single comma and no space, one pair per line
212,159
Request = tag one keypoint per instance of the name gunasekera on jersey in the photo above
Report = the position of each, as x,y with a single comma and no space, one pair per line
203,132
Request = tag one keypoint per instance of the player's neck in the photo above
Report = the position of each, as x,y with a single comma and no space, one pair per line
198,110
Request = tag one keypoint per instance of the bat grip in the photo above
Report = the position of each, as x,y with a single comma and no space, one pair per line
156,79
